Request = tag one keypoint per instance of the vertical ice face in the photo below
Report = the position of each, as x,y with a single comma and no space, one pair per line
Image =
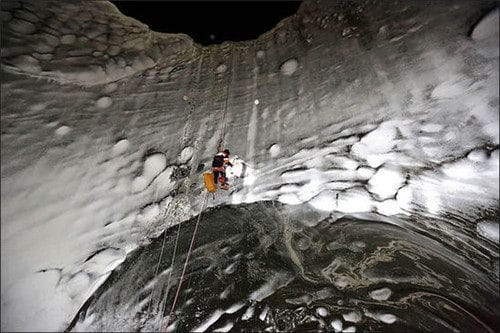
107,126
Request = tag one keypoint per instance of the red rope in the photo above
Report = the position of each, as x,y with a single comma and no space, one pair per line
188,257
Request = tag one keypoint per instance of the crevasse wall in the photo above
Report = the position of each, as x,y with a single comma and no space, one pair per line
352,107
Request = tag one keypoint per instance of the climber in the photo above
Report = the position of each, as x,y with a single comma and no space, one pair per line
221,160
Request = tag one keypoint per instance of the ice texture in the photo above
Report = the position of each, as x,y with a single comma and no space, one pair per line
107,127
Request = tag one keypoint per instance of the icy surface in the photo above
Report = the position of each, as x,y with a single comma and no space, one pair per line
489,229
381,294
107,127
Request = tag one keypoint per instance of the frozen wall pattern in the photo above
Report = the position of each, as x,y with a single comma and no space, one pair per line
348,108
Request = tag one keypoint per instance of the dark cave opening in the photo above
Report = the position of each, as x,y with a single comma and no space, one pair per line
210,22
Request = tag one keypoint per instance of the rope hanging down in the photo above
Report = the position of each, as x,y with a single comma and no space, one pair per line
223,131
186,262
205,200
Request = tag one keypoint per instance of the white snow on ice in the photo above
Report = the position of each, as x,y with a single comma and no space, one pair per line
71,211
289,67
489,230
63,130
382,294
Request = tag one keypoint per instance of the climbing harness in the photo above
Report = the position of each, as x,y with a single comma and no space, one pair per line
211,188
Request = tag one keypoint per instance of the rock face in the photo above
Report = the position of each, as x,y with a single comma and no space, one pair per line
346,91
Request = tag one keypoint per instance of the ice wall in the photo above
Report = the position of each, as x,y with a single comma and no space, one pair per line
353,107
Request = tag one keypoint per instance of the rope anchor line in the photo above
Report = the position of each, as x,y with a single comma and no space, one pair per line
186,262
205,201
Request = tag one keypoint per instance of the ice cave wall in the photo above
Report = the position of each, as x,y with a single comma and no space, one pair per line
385,106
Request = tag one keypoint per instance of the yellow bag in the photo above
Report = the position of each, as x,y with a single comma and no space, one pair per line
209,182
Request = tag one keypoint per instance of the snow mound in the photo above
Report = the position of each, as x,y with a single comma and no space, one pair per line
274,151
289,67
487,27
104,102
63,130
153,166
382,294
489,230
352,316
121,147
386,181
337,325
186,154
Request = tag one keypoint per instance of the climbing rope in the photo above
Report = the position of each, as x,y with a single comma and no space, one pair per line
191,106
223,131
224,119
205,201
186,262
163,304
165,215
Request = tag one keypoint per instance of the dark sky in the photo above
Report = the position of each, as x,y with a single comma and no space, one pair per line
210,22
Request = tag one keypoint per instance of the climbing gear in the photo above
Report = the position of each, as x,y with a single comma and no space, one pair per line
211,188
186,262
208,177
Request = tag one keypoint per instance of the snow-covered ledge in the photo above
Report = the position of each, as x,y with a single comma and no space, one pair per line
106,126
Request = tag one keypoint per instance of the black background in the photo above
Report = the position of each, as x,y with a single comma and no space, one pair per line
210,22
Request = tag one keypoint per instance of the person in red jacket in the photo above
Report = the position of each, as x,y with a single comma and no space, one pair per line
219,163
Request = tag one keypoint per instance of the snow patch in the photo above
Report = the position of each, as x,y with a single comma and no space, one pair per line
432,128
263,314
386,181
104,102
354,201
186,154
275,150
289,199
321,311
382,294
248,313
209,321
269,287
120,147
153,166
388,207
325,201
235,307
487,27
450,89
225,328
63,130
489,230
289,67
386,318
478,155
337,325
353,316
